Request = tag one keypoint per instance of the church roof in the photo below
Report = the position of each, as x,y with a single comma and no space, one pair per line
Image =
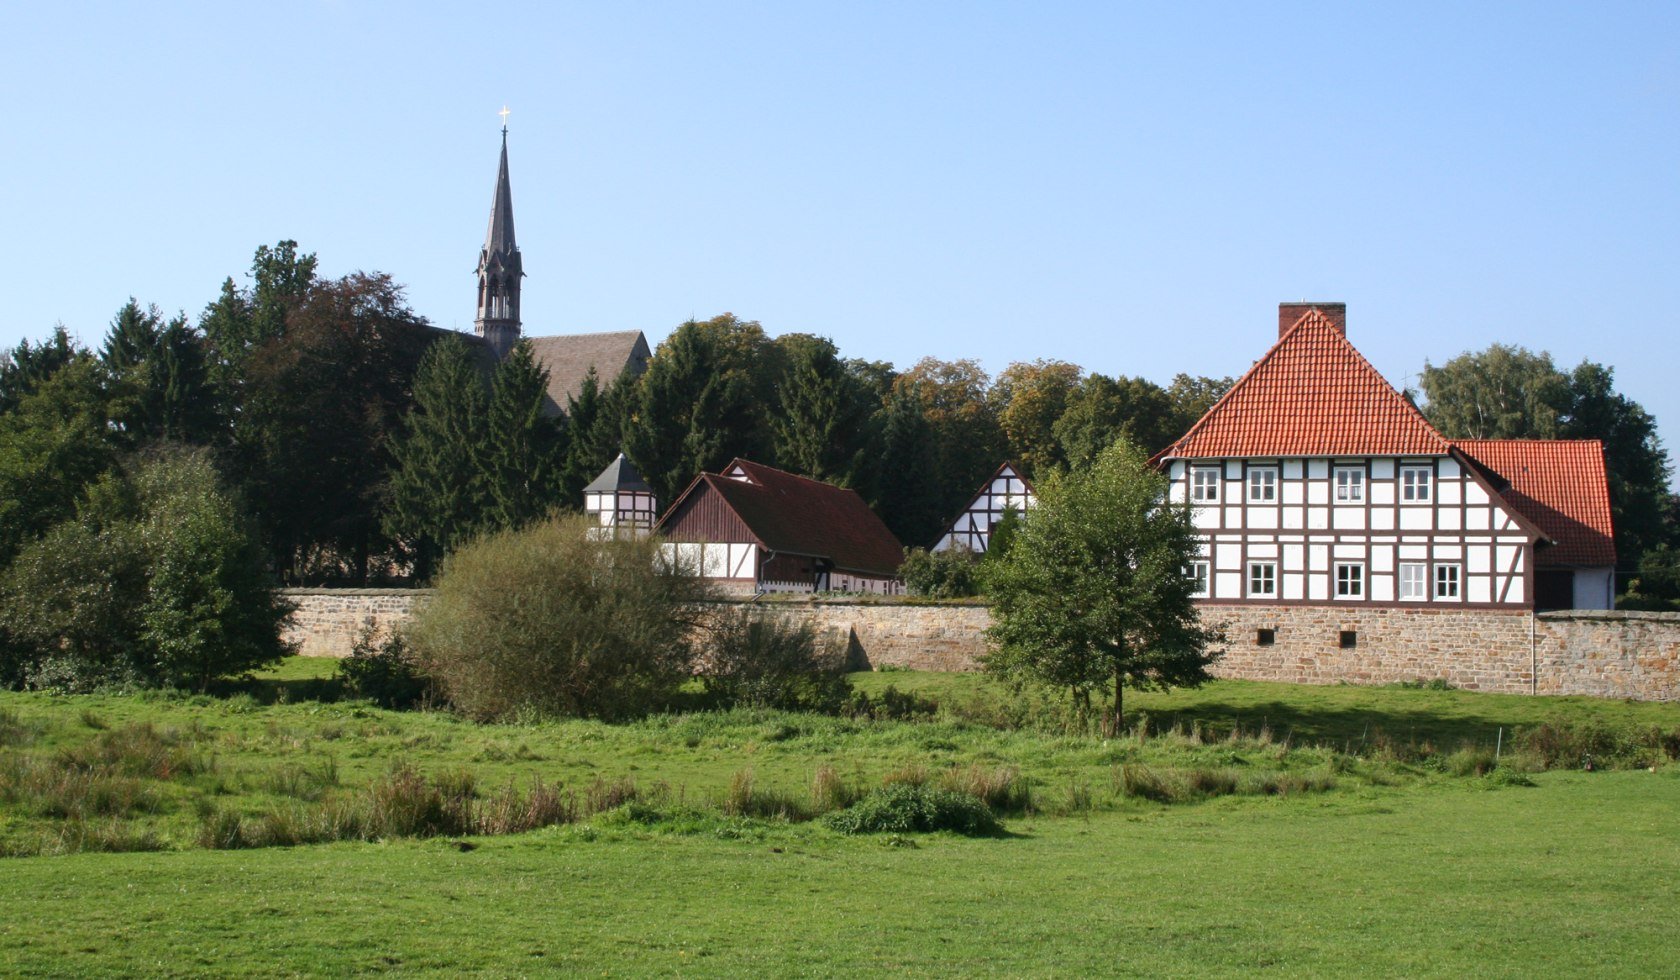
1312,394
1561,486
568,358
620,475
797,515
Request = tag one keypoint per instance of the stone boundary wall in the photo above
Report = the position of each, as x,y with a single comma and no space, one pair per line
1603,654
326,622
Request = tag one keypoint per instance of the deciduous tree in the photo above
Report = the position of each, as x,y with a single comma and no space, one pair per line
1092,596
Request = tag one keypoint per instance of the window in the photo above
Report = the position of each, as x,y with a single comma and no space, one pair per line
1204,484
1414,577
1262,484
1414,483
1350,484
1350,581
1197,573
1446,581
1262,578
1265,637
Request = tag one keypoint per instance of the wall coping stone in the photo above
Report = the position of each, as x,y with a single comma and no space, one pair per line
1608,615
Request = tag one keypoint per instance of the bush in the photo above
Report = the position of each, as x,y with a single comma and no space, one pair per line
953,574
760,659
383,671
906,808
158,581
548,620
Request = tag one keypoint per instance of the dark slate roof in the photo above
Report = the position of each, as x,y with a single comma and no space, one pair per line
568,358
801,516
620,474
1562,487
499,237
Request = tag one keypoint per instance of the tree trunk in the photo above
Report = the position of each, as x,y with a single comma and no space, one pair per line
1119,703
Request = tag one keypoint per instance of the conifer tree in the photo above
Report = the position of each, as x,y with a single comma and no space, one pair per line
907,493
438,496
824,409
525,452
593,437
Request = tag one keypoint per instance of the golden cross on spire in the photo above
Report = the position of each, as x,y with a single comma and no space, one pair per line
504,115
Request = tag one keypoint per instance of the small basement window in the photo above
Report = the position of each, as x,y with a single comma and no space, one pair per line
1347,639
1265,638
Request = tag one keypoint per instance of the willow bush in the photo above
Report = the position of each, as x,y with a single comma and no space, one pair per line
547,620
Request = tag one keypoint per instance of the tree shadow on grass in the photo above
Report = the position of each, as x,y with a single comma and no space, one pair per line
1346,728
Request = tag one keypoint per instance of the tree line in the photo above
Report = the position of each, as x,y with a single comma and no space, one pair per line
351,442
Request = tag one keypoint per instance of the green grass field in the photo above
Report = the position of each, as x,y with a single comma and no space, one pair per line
1399,860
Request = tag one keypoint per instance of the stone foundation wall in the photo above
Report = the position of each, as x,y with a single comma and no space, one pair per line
1472,649
1604,654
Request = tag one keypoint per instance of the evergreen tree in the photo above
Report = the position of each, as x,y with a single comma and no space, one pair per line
700,403
25,367
824,410
526,449
907,491
52,444
437,492
593,436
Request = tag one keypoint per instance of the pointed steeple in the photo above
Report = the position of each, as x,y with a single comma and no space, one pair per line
499,268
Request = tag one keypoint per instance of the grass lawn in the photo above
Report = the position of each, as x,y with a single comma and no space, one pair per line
1392,865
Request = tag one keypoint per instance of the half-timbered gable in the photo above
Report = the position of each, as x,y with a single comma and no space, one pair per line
755,528
1007,490
1313,481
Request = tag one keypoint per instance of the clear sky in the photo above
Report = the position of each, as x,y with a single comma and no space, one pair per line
1129,187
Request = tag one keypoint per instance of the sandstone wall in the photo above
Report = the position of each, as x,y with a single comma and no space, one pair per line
1609,654
326,622
1605,654
1471,649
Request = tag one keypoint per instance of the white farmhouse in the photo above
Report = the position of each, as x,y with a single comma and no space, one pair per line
1315,482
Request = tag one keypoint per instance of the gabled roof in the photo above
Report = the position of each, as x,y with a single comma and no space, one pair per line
568,357
619,476
1561,486
1312,394
801,516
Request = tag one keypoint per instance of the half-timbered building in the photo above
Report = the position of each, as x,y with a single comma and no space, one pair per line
1006,490
1313,481
752,528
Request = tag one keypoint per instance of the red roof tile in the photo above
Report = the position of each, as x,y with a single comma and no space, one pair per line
1312,394
1561,486
801,516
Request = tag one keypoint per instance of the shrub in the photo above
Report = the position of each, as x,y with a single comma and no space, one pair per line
159,580
549,620
761,659
952,574
383,671
905,808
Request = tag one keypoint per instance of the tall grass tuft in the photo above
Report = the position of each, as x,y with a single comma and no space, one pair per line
829,792
744,798
1002,788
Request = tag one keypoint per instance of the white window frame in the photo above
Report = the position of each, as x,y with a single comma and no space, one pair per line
1350,490
1200,574
1204,484
1421,584
1350,586
1448,575
1256,485
1417,483
1270,576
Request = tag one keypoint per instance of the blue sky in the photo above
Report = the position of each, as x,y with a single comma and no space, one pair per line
1131,188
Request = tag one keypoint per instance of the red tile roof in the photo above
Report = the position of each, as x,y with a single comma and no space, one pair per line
801,516
1312,394
1561,486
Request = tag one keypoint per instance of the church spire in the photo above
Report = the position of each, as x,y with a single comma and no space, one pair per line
499,267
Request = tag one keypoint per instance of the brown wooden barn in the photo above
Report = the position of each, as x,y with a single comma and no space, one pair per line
752,528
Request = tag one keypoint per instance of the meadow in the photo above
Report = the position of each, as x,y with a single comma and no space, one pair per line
1237,827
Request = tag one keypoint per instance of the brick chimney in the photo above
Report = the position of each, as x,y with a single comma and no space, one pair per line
1290,314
